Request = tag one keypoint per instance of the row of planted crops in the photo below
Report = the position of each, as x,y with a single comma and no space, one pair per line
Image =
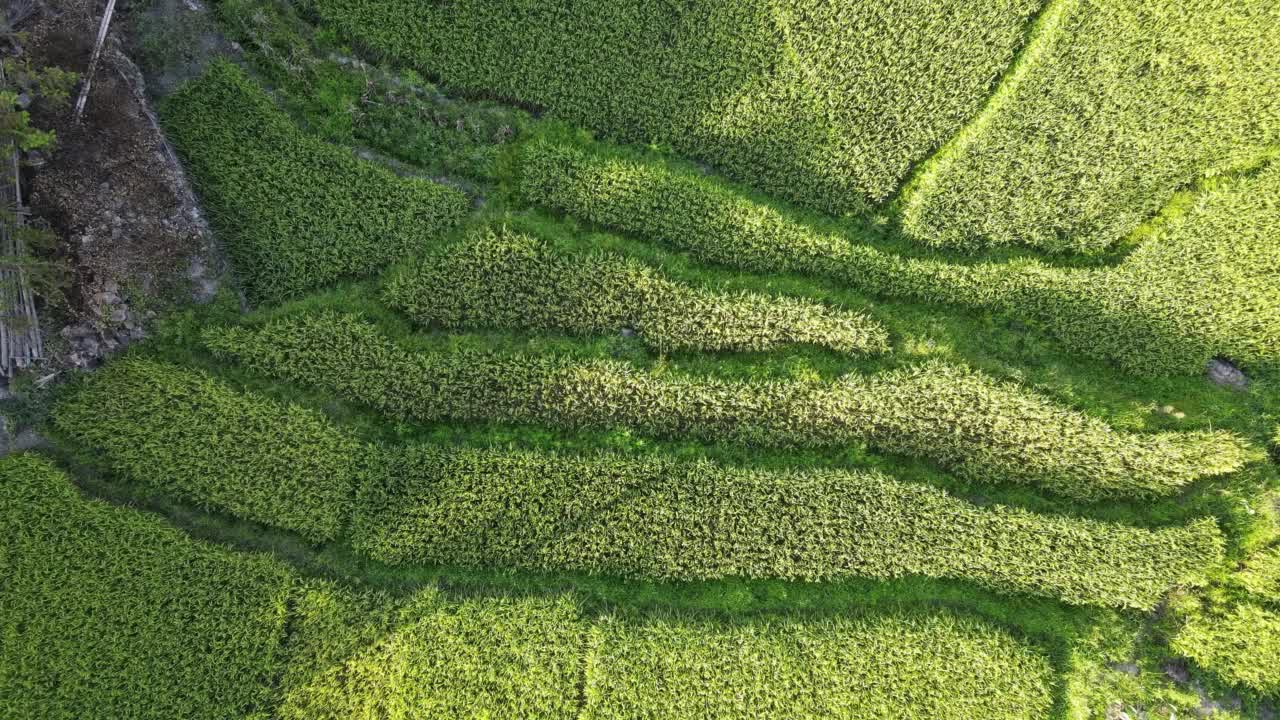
601,441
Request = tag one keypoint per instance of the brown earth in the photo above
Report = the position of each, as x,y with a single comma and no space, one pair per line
128,225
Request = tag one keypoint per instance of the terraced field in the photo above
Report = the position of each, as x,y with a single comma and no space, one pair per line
785,359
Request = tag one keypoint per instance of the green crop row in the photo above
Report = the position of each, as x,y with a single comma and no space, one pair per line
109,612
980,429
648,518
698,521
1201,286
829,104
371,656
508,280
295,212
183,433
1115,105
840,668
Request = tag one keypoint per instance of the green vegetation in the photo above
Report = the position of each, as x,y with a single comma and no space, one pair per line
981,429
1159,311
1239,643
108,612
1203,285
192,437
508,280
295,212
1234,630
1260,576
647,518
851,471
1116,105
699,521
343,100
828,104
894,666
423,656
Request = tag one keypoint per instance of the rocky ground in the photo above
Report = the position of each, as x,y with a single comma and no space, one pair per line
112,190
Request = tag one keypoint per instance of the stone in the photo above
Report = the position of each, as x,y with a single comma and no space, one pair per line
1130,669
1177,671
88,346
1225,374
1115,711
76,332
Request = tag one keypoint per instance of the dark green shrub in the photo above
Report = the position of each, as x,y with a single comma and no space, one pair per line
892,666
295,212
699,521
106,612
978,428
190,436
1115,106
503,279
826,103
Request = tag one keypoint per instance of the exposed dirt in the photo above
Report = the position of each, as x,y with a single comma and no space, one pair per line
128,222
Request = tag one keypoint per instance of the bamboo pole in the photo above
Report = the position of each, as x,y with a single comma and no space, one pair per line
93,61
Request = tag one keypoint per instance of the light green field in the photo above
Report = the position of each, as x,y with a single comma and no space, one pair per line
702,359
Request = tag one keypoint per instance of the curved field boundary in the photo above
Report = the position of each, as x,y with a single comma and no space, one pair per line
646,518
296,213
978,428
501,279
1202,286
691,521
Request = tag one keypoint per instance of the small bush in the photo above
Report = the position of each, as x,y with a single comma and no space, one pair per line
107,612
370,656
1117,104
899,666
296,213
506,280
190,436
825,103
978,428
699,521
